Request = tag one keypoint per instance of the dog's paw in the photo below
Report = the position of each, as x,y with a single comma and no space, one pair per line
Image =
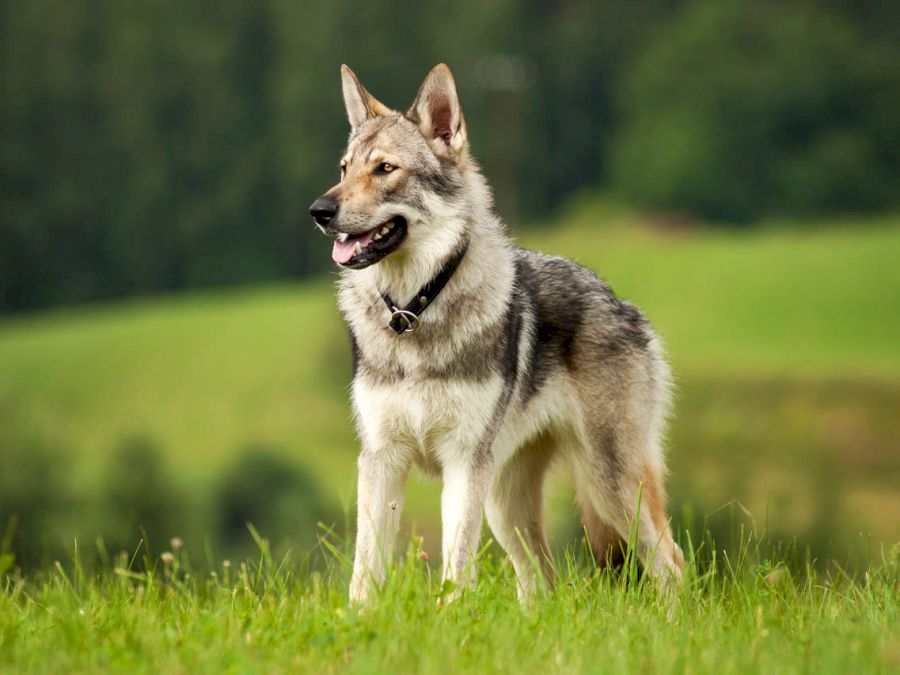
359,592
450,592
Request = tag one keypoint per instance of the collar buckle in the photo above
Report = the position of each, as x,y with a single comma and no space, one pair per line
403,321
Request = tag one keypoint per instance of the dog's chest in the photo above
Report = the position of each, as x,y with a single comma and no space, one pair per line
432,391
430,416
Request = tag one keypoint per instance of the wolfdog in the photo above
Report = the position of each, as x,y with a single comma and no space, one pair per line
481,362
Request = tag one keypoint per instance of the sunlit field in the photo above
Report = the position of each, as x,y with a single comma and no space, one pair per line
784,454
743,613
178,453
784,343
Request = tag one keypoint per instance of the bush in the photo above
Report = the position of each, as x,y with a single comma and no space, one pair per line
745,109
35,504
135,498
44,511
279,498
139,499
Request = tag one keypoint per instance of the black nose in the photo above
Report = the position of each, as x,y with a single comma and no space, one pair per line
323,210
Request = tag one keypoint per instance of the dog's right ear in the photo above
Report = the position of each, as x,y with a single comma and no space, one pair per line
361,105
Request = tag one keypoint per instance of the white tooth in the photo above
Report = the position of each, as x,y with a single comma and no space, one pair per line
357,249
377,236
342,237
385,230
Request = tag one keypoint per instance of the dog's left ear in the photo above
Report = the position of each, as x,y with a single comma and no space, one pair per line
438,114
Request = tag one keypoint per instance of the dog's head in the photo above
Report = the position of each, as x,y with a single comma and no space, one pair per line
400,175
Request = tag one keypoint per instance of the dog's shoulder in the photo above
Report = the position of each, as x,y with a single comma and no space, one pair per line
561,282
572,303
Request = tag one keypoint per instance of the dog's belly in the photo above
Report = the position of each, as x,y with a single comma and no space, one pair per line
555,409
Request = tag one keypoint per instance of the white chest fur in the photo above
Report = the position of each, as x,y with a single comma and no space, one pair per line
437,420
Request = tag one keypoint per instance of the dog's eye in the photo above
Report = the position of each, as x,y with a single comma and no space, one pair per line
385,167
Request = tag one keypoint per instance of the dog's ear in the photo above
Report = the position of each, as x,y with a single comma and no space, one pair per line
438,114
361,105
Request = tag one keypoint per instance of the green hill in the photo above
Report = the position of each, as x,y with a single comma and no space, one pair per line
785,343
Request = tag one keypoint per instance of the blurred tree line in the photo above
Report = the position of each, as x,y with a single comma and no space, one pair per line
152,145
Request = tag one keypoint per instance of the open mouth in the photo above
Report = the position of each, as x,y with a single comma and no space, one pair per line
369,247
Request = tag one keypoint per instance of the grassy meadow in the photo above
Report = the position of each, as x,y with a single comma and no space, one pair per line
271,616
785,341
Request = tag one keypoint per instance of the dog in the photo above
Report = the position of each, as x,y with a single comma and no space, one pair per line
481,362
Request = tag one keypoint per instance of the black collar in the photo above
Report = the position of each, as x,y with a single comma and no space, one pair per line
406,319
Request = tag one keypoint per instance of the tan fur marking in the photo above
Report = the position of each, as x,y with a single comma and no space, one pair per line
655,499
606,544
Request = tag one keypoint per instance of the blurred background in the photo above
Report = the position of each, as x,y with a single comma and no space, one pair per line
171,359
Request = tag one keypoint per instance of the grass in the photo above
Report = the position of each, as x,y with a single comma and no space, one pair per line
740,614
784,342
203,373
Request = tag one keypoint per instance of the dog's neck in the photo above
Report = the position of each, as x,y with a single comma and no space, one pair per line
402,275
430,245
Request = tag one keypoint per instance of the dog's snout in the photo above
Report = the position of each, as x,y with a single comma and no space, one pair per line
323,210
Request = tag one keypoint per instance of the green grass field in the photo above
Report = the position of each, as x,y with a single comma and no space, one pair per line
785,342
744,616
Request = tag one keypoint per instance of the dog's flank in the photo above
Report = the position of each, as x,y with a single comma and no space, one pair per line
522,360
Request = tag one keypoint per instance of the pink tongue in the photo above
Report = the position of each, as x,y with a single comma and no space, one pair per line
343,251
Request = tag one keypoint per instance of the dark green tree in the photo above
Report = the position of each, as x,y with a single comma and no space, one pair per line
743,109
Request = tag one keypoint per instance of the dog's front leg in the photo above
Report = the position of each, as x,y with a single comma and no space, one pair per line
380,500
462,506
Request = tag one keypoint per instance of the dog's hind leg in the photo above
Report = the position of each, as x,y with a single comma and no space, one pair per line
623,484
515,513
607,545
